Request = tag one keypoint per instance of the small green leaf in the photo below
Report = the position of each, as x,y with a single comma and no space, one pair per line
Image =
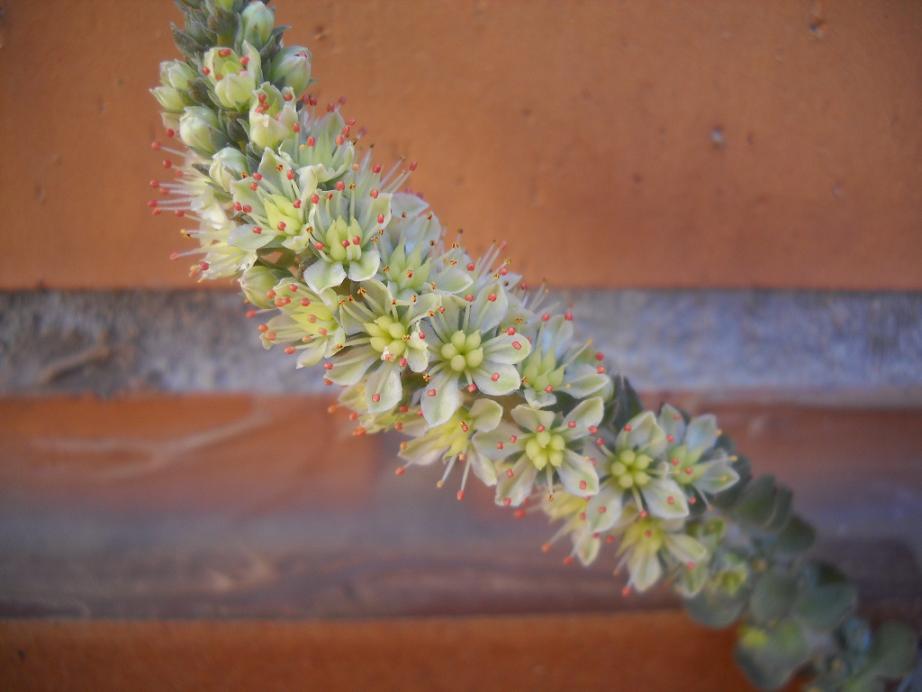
773,596
781,511
757,502
825,607
770,656
714,609
893,651
796,536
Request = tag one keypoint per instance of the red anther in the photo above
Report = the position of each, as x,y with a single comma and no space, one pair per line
500,445
203,266
261,98
380,218
167,163
340,140
513,438
583,485
155,183
674,461
288,96
315,199
152,203
609,539
247,208
224,52
460,495
545,317
257,176
503,271
345,131
250,314
626,591
340,186
540,429
376,168
568,315
328,365
170,132
492,297
582,515
289,350
511,331
431,392
599,442
319,245
311,141
600,356
257,230
495,377
282,226
155,145
689,470
356,240
295,127
374,194
603,509
403,362
328,383
174,255
568,560
254,186
670,500
648,534
238,206
469,297
179,212
600,369
510,473
291,176
263,328
507,501
305,302
628,427
545,547
412,165
218,77
472,388
376,398
549,389
345,243
692,500
206,71
270,294
517,345
592,429
471,266
571,424
296,204
670,438
519,513
400,470
245,60
403,408
293,288
643,514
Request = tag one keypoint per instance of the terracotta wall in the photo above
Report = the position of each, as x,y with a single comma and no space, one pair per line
718,142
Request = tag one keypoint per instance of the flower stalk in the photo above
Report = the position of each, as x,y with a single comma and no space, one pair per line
348,271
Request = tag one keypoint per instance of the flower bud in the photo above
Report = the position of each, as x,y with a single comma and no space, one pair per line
256,22
273,117
256,283
176,74
198,129
226,167
170,99
233,77
292,68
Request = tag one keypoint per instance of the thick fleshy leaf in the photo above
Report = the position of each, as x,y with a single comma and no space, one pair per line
517,488
665,499
496,379
530,418
672,422
586,547
482,467
323,274
441,398
644,567
702,433
642,432
578,475
716,476
685,549
486,414
604,509
507,349
366,267
499,443
350,365
585,415
489,308
383,389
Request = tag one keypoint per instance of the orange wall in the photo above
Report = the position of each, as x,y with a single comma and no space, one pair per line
580,131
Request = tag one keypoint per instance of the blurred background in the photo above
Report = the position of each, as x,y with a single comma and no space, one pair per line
728,193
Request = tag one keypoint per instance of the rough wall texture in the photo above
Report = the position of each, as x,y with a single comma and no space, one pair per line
718,143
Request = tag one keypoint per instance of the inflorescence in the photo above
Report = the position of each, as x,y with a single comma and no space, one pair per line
347,270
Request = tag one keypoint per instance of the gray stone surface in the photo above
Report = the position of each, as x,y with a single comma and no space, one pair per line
834,347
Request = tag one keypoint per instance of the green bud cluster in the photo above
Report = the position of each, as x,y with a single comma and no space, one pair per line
481,375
